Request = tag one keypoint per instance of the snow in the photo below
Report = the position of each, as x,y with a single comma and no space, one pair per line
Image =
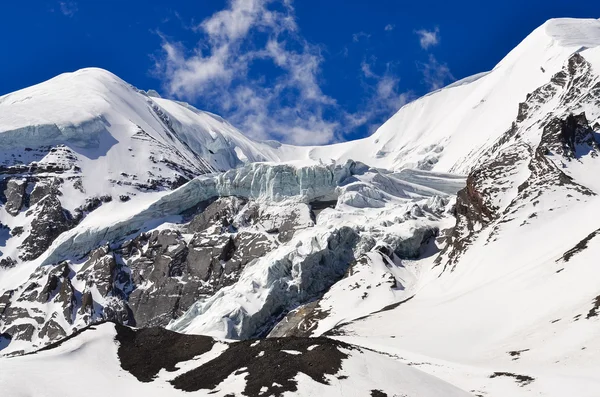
94,356
511,305
571,32
447,130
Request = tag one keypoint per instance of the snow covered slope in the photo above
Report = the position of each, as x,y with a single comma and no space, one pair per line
88,138
117,134
154,362
449,129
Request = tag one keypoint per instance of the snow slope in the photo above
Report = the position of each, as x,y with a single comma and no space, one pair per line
447,130
93,359
114,128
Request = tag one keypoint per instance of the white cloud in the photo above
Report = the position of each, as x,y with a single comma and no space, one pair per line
428,38
288,104
356,37
68,8
436,75
366,69
383,95
389,27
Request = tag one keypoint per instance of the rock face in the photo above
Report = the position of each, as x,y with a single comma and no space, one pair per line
145,352
44,188
15,195
293,276
172,271
571,137
50,220
561,137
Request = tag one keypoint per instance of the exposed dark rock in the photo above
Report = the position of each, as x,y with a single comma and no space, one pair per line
44,188
268,366
15,195
87,304
160,263
90,205
221,211
66,296
582,245
594,310
54,280
571,137
49,222
516,354
7,263
171,275
378,393
118,311
523,380
144,352
52,330
5,299
21,331
99,270
16,231
564,139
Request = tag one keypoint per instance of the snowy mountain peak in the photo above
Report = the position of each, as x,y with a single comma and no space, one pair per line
572,32
461,238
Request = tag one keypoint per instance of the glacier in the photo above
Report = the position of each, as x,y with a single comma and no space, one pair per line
256,181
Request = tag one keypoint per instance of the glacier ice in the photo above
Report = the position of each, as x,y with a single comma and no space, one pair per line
259,181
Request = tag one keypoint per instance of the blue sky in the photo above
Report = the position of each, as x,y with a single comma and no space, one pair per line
297,71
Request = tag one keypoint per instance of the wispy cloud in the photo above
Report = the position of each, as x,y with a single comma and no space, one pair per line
435,74
68,8
289,105
384,96
389,27
428,38
356,37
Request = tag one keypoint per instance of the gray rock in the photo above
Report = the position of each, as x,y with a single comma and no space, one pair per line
5,299
52,330
44,188
21,331
221,212
7,263
99,270
15,195
50,221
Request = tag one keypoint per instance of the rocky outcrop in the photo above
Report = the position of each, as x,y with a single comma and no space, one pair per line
99,271
50,220
564,136
171,274
223,209
43,188
15,195
570,138
294,276
7,263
